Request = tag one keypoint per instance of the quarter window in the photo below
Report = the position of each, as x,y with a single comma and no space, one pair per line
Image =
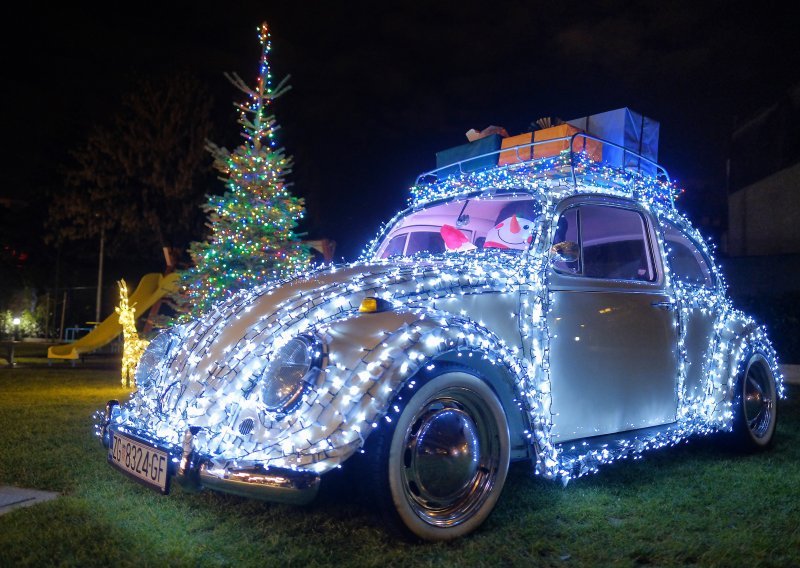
395,247
686,263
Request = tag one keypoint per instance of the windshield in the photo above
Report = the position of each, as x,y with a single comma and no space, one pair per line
500,223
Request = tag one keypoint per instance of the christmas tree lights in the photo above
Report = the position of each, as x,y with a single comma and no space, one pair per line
253,223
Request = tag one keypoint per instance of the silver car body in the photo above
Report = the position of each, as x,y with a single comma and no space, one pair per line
588,370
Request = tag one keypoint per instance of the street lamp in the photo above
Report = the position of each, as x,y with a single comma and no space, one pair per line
16,322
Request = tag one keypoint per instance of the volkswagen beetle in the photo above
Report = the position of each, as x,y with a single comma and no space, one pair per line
558,311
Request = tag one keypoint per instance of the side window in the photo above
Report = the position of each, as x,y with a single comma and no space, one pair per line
614,244
395,246
427,241
686,263
565,243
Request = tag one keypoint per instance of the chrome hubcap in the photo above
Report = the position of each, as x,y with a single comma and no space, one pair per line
443,457
758,401
450,458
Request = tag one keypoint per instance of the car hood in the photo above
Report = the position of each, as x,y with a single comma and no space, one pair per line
199,373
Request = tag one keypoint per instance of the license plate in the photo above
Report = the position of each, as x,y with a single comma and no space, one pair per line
143,462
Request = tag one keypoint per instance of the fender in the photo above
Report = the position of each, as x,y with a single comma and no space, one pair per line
738,335
204,379
371,357
421,340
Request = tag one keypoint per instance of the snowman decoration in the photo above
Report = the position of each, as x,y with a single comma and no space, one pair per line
511,233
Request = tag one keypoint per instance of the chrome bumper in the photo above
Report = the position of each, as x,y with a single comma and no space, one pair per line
195,472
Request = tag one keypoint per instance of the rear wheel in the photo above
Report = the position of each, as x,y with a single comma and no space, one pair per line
755,402
439,468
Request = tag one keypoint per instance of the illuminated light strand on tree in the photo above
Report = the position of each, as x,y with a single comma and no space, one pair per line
253,223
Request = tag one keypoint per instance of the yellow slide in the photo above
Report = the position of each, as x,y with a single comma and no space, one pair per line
151,288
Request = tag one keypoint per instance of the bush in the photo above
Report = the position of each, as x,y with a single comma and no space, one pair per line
28,326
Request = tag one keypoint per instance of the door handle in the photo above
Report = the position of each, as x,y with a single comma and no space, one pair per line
664,305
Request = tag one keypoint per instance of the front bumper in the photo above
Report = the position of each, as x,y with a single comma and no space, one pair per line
195,472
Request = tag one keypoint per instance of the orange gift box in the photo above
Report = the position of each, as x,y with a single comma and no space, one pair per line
518,155
593,148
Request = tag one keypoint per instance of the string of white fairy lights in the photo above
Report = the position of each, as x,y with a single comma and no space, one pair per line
179,387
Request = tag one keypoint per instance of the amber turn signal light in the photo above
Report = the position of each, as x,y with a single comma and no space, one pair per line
371,305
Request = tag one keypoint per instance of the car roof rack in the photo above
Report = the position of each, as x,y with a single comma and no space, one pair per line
575,158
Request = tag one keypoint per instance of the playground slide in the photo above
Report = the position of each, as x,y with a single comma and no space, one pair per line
150,289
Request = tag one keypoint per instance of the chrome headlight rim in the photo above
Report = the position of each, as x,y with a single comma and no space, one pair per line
160,349
316,352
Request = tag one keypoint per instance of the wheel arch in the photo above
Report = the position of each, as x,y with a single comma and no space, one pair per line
409,344
503,383
745,338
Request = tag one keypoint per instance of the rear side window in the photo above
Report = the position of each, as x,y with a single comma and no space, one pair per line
686,263
395,247
613,243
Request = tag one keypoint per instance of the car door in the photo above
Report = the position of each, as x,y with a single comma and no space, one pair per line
612,324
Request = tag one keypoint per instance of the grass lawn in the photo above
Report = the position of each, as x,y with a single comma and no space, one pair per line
698,503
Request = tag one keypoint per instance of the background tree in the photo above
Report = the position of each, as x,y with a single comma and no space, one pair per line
140,179
253,224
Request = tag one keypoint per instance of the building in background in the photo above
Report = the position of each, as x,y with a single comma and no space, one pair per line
764,181
763,239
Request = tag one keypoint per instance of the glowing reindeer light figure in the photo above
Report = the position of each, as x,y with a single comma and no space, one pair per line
133,345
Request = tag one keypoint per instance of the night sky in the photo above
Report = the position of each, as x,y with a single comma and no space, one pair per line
378,88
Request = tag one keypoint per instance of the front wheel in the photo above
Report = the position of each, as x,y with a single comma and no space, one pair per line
755,404
438,469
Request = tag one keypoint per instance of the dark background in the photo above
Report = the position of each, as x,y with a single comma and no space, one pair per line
378,88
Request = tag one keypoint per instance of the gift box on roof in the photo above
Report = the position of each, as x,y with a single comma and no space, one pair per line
468,154
518,154
473,135
552,148
634,132
592,148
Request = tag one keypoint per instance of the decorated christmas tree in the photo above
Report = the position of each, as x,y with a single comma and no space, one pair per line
252,238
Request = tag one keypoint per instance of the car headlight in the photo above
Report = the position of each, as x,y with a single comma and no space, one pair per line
291,368
156,351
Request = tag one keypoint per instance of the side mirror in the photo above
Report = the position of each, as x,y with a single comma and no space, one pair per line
565,251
